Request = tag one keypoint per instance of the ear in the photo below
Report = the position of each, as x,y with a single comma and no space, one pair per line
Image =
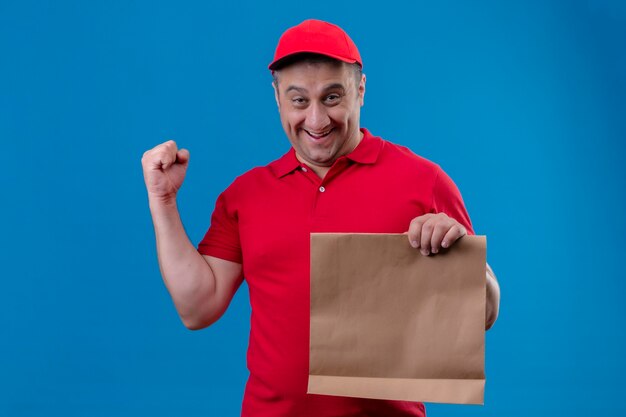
362,89
276,94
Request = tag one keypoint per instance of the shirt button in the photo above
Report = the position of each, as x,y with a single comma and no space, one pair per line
322,189
304,169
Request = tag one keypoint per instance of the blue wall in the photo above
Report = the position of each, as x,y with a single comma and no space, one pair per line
522,103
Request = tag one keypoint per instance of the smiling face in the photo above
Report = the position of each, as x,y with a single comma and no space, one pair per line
320,106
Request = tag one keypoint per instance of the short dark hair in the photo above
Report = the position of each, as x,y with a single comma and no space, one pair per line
313,58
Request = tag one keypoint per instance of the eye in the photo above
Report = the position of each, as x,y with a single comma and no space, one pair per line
333,98
298,101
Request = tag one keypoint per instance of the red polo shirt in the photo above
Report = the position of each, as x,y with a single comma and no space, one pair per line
264,220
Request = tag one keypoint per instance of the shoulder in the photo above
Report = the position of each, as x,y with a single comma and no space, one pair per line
403,153
407,161
253,180
404,166
251,177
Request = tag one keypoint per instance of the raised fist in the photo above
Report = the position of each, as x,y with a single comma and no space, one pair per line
164,168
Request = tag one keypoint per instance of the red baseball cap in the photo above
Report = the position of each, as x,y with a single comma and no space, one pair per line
318,37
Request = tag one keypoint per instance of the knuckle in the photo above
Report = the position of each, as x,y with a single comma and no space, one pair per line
147,154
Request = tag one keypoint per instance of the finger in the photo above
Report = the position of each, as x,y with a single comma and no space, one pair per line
182,156
426,236
415,230
168,157
439,231
166,160
160,159
453,235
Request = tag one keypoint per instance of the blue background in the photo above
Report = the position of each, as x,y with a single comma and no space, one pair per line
522,103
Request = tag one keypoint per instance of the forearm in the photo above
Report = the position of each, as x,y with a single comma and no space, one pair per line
186,274
493,299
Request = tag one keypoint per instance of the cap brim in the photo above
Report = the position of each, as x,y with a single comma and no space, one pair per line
280,60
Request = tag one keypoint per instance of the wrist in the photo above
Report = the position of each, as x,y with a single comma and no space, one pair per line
158,203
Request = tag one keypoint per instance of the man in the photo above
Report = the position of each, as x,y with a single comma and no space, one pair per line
337,177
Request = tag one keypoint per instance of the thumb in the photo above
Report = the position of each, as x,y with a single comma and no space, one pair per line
182,156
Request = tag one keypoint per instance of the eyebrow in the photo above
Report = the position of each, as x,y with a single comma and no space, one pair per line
293,87
334,86
326,88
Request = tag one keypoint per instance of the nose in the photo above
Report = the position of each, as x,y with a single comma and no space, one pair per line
317,117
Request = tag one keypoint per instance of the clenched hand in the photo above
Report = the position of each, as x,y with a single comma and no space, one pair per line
164,168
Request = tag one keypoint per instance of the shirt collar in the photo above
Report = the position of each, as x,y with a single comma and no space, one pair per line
366,152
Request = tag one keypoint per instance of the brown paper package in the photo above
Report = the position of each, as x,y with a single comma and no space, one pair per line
390,323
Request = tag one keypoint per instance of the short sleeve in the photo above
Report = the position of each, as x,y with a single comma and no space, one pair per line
447,199
222,238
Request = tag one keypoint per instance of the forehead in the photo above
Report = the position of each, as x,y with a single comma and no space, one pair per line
314,75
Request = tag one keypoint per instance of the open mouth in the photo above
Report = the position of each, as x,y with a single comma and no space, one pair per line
320,135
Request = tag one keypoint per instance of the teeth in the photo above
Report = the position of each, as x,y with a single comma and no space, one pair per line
319,134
